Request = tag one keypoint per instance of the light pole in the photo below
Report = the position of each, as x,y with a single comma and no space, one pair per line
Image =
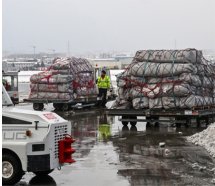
34,50
68,49
53,50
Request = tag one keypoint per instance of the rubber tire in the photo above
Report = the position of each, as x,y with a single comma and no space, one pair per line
41,106
58,106
133,123
42,180
43,173
198,123
178,125
148,125
125,123
38,106
207,121
156,124
65,107
188,123
213,119
17,174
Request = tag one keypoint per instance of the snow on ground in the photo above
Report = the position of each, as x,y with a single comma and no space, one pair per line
206,139
24,76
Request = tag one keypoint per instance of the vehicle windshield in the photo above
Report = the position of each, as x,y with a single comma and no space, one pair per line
10,83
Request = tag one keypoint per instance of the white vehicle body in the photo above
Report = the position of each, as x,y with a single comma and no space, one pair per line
38,152
32,138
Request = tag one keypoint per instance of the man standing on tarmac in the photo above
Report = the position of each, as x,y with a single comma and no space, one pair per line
103,85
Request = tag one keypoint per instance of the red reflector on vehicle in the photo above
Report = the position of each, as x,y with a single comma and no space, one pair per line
66,150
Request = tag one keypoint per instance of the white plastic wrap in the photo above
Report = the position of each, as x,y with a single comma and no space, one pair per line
146,69
168,79
168,56
67,78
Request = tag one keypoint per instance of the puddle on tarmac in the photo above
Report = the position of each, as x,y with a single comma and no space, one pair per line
109,154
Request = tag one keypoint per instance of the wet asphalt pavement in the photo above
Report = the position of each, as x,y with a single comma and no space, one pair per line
109,154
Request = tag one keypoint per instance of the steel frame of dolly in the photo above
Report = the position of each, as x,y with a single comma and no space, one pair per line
63,105
176,116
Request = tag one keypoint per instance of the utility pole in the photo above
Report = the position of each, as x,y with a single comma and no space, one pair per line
53,51
68,49
175,44
34,50
34,47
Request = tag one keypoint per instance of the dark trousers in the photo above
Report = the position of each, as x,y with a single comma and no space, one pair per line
103,95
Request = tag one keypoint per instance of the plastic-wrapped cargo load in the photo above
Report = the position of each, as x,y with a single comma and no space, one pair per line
184,102
147,69
65,87
169,56
67,79
140,103
164,89
49,78
192,79
120,104
83,91
50,95
168,79
75,65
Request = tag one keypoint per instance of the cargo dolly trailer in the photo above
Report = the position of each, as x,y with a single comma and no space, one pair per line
175,117
64,105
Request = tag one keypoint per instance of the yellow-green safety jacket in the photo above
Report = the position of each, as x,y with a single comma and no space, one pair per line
104,82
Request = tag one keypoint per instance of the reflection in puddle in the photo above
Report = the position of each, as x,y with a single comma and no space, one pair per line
42,180
39,181
148,164
148,177
88,128
141,159
108,153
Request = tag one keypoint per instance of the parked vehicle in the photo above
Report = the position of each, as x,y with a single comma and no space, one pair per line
32,141
68,83
10,82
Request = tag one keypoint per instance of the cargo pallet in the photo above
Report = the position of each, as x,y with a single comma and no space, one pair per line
63,105
174,117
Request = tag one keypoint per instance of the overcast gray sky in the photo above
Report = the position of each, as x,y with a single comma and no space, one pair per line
107,25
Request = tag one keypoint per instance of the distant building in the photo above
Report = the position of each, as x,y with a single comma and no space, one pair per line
109,62
112,63
21,65
125,61
4,66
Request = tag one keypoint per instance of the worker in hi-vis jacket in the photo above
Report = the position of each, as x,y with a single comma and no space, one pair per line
103,84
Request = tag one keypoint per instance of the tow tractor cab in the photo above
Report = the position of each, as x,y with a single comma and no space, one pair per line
33,141
10,82
111,94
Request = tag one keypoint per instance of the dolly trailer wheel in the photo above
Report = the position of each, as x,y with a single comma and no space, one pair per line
38,106
125,123
133,123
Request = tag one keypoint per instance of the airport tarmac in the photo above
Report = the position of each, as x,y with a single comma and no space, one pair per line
108,153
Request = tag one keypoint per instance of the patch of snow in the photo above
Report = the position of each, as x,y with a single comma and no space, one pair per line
110,104
24,76
206,139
